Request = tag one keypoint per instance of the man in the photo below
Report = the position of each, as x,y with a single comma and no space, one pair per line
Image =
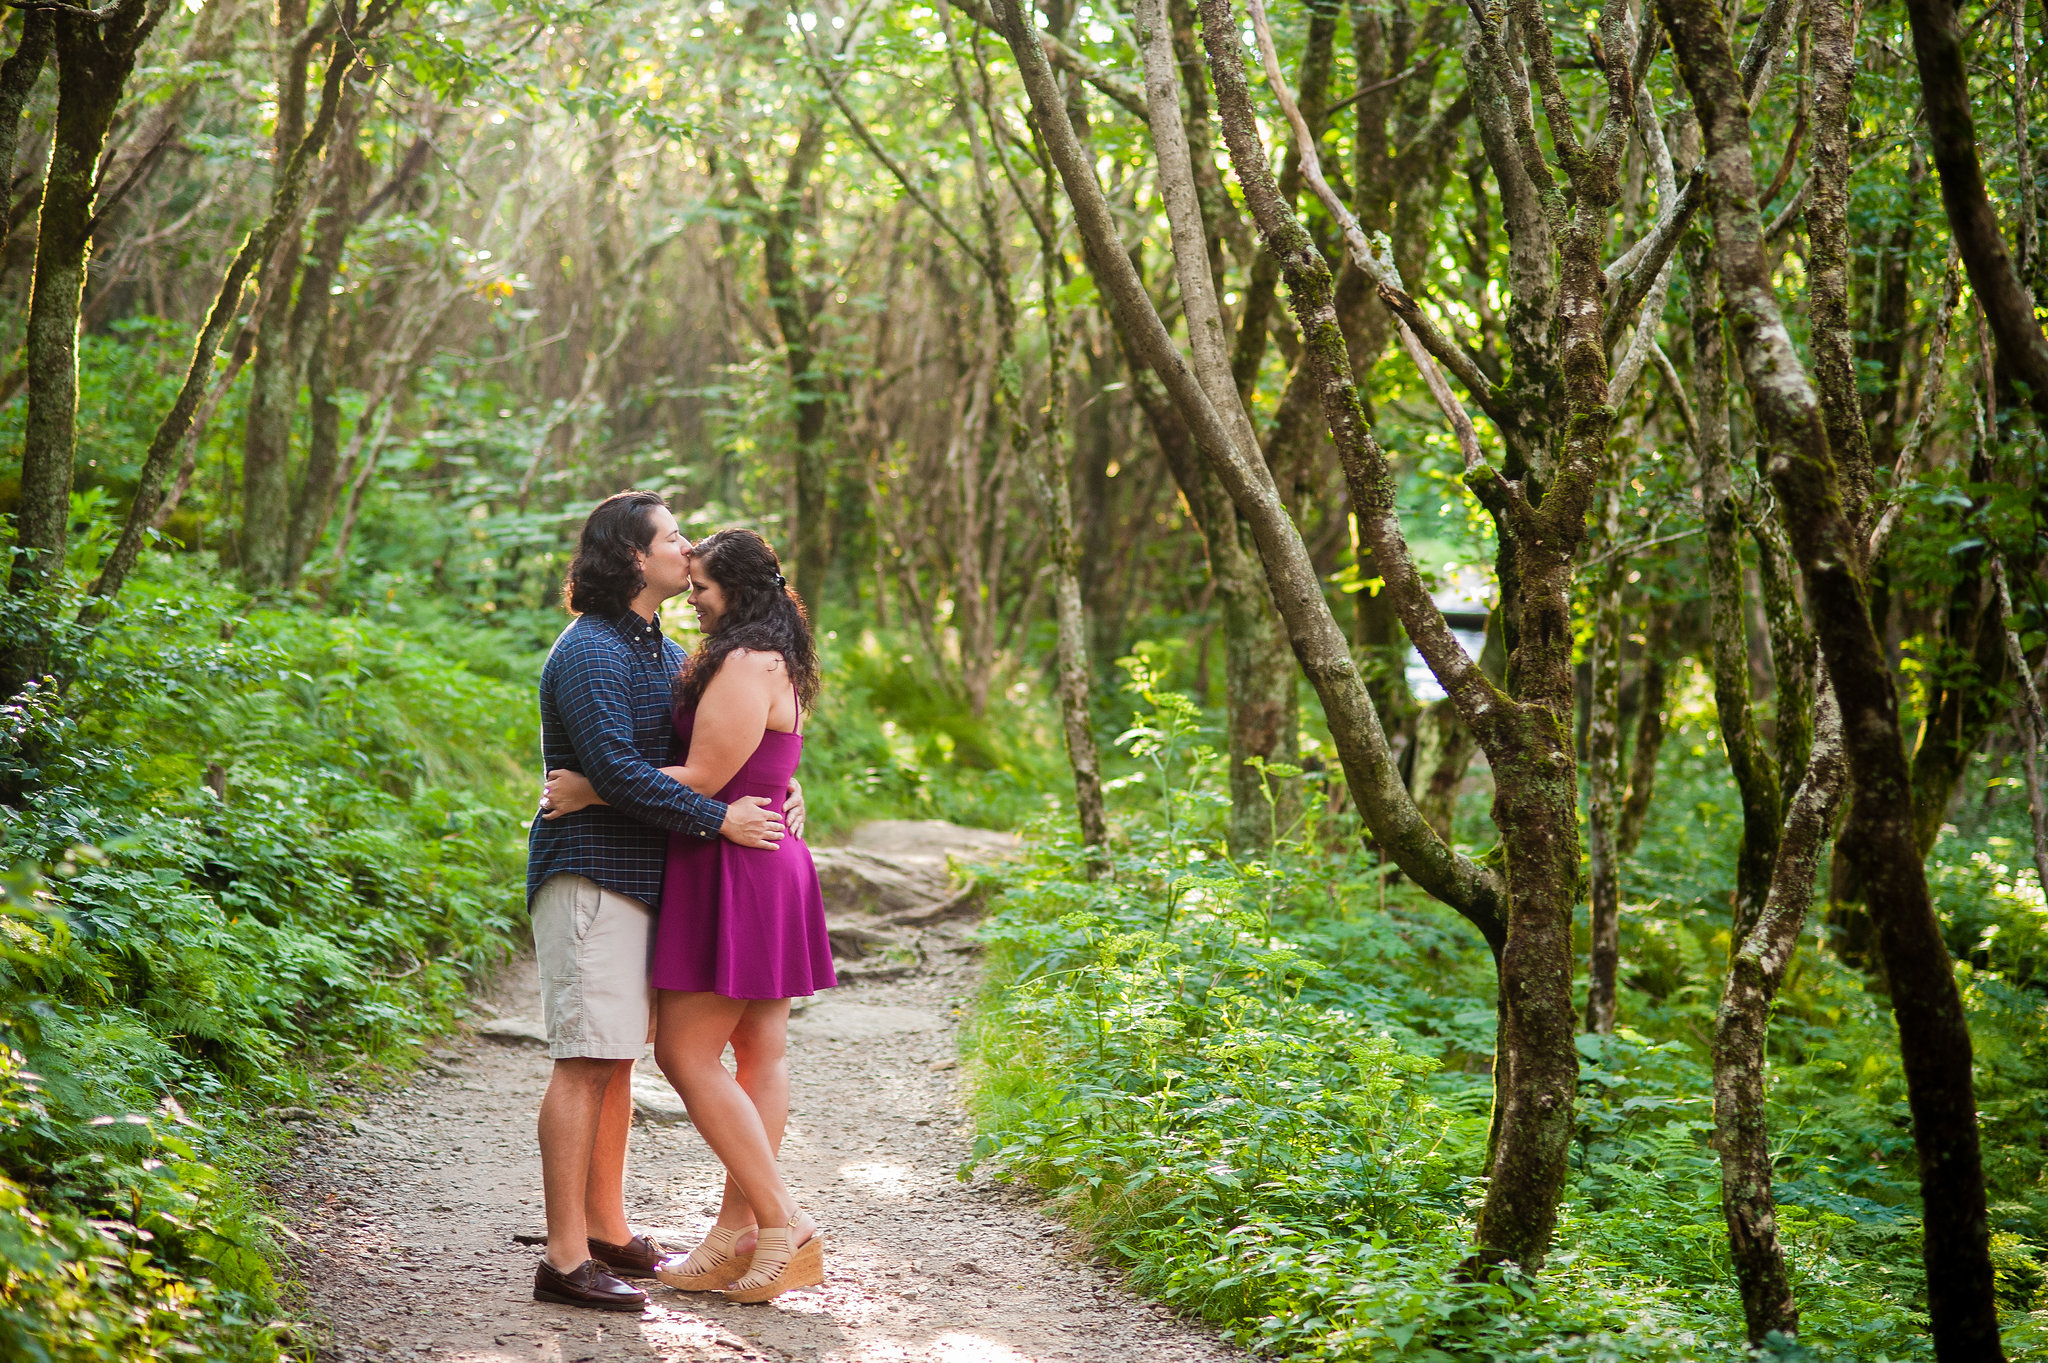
593,881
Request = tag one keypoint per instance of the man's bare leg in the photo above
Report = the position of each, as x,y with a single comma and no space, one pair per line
604,1198
570,1117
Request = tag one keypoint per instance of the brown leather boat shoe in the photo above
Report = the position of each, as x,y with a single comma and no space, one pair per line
588,1285
637,1258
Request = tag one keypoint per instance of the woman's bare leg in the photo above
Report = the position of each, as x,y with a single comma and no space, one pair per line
689,1045
760,1048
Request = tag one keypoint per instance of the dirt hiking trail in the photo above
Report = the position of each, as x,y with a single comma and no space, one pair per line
406,1214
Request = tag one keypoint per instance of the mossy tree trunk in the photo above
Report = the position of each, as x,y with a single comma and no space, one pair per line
1749,759
1605,792
1262,712
18,76
95,53
326,357
779,221
275,366
1934,1039
2002,292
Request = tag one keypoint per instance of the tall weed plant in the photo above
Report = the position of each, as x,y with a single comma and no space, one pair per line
1262,1087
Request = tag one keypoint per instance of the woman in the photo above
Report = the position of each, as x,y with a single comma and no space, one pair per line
742,930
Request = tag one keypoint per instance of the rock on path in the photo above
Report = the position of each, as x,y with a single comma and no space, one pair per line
406,1223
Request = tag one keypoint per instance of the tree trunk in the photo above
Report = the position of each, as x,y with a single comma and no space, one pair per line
1791,648
1258,698
92,69
1642,774
95,56
779,223
1756,969
1070,616
1260,677
1259,673
1832,32
274,368
1952,137
1604,917
1934,1038
312,329
313,498
1756,778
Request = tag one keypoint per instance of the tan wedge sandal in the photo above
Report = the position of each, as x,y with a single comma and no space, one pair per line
710,1266
778,1268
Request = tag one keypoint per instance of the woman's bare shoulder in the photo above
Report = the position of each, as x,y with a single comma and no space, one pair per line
755,661
747,671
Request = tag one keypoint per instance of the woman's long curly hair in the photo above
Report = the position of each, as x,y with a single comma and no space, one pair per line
605,575
761,613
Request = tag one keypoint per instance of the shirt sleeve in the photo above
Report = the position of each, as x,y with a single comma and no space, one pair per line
592,691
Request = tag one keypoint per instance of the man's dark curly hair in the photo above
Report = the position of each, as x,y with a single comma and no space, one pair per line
761,613
605,576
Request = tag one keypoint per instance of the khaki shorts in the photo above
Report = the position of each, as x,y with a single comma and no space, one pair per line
593,948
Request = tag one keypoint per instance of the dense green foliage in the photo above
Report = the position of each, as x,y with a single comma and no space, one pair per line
1263,1088
280,846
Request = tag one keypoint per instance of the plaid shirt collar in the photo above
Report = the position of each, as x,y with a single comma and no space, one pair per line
635,630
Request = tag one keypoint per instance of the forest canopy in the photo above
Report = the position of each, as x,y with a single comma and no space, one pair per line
1508,539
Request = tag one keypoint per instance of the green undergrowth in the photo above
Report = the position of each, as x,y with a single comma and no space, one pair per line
890,742
259,855
1262,1089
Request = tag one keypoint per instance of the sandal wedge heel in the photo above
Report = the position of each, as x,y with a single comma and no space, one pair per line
805,1267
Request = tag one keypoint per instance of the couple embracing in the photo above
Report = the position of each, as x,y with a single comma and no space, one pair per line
673,902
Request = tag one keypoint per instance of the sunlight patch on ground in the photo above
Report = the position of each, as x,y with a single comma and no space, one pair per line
676,1328
960,1347
891,1179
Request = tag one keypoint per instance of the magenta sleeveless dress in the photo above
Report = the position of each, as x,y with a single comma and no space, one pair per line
745,922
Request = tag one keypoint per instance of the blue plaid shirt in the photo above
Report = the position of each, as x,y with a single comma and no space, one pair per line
605,711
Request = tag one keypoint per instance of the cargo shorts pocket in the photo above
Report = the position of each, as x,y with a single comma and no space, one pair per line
583,909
